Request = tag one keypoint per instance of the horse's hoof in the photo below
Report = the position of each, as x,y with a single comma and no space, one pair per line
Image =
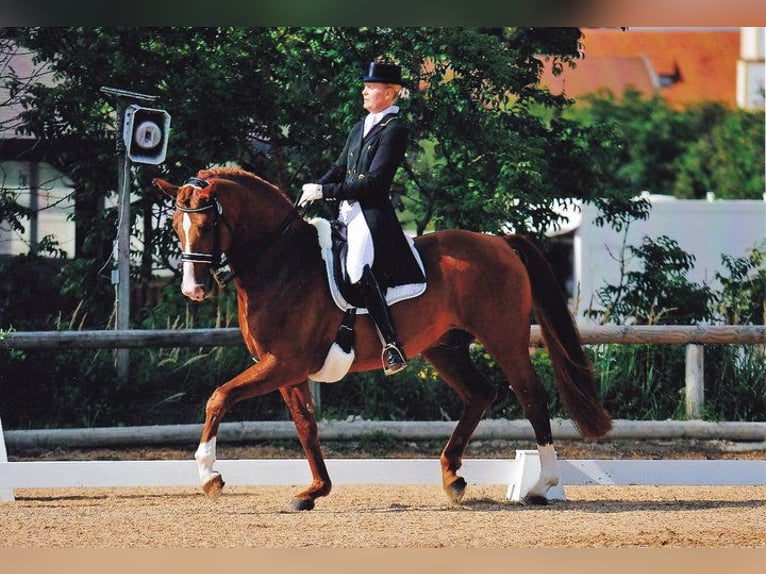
213,487
456,490
298,504
534,500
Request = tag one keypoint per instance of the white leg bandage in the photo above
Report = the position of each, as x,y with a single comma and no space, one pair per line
549,470
205,456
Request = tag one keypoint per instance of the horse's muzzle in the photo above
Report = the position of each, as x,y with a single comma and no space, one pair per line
195,293
191,286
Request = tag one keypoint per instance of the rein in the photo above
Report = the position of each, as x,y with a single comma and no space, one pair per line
213,259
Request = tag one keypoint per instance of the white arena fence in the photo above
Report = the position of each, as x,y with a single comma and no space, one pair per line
518,474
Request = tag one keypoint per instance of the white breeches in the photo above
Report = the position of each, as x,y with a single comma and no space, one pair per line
361,251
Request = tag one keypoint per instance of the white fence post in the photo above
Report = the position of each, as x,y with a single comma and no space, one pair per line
695,381
5,493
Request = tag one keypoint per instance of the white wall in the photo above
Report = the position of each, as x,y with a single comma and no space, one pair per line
705,229
54,202
751,70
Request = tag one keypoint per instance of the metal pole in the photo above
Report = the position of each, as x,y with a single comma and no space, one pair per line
122,321
122,280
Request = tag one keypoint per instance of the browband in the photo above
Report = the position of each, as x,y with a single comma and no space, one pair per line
197,182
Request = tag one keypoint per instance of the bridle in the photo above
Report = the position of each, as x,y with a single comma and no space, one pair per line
213,259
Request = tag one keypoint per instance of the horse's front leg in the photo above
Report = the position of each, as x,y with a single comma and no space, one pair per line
259,379
299,401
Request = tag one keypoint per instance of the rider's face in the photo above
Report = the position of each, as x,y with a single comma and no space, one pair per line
377,97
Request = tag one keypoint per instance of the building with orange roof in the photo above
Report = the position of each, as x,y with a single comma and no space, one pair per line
685,66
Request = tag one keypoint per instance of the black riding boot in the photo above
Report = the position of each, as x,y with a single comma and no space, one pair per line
393,352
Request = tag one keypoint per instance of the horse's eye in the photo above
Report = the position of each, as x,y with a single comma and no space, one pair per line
205,229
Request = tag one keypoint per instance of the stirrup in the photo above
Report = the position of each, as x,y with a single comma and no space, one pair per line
393,359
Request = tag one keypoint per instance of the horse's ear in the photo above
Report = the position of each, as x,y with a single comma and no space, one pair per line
167,188
208,192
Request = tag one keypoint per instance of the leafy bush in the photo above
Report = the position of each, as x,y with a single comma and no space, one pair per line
657,293
646,381
641,382
735,382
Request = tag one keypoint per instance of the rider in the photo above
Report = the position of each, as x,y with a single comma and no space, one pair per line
379,255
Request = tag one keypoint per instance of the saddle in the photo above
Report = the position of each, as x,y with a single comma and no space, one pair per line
339,249
333,245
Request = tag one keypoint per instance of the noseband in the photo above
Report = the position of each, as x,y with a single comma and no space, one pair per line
214,259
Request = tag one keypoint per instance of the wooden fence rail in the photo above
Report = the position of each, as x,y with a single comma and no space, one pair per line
601,334
694,337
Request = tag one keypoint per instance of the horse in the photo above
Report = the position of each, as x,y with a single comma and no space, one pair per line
480,288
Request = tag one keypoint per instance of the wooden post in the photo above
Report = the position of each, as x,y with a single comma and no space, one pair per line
695,381
316,396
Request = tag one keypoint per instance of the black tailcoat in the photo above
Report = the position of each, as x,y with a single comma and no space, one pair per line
364,172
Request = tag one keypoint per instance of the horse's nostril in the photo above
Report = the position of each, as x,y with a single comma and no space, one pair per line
199,293
196,293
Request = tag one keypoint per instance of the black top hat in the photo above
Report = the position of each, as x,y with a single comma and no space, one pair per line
384,73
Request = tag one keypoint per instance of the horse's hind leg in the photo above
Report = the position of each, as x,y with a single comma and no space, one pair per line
525,384
298,400
451,359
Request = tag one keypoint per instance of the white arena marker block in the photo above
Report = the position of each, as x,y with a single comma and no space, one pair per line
525,474
6,494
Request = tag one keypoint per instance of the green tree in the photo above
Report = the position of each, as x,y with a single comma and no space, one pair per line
728,160
213,120
742,298
490,146
684,152
12,214
657,292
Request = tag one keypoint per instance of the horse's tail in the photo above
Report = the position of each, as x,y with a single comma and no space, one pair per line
574,375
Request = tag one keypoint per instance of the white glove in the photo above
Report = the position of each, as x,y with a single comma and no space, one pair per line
311,192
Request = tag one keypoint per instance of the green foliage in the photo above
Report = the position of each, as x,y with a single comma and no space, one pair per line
646,380
418,395
79,388
12,213
489,144
658,292
729,160
29,293
705,148
164,386
640,382
742,299
735,382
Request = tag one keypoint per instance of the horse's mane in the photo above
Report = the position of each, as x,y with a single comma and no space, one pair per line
240,176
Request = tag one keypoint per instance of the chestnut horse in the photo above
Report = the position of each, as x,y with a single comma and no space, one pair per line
480,287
